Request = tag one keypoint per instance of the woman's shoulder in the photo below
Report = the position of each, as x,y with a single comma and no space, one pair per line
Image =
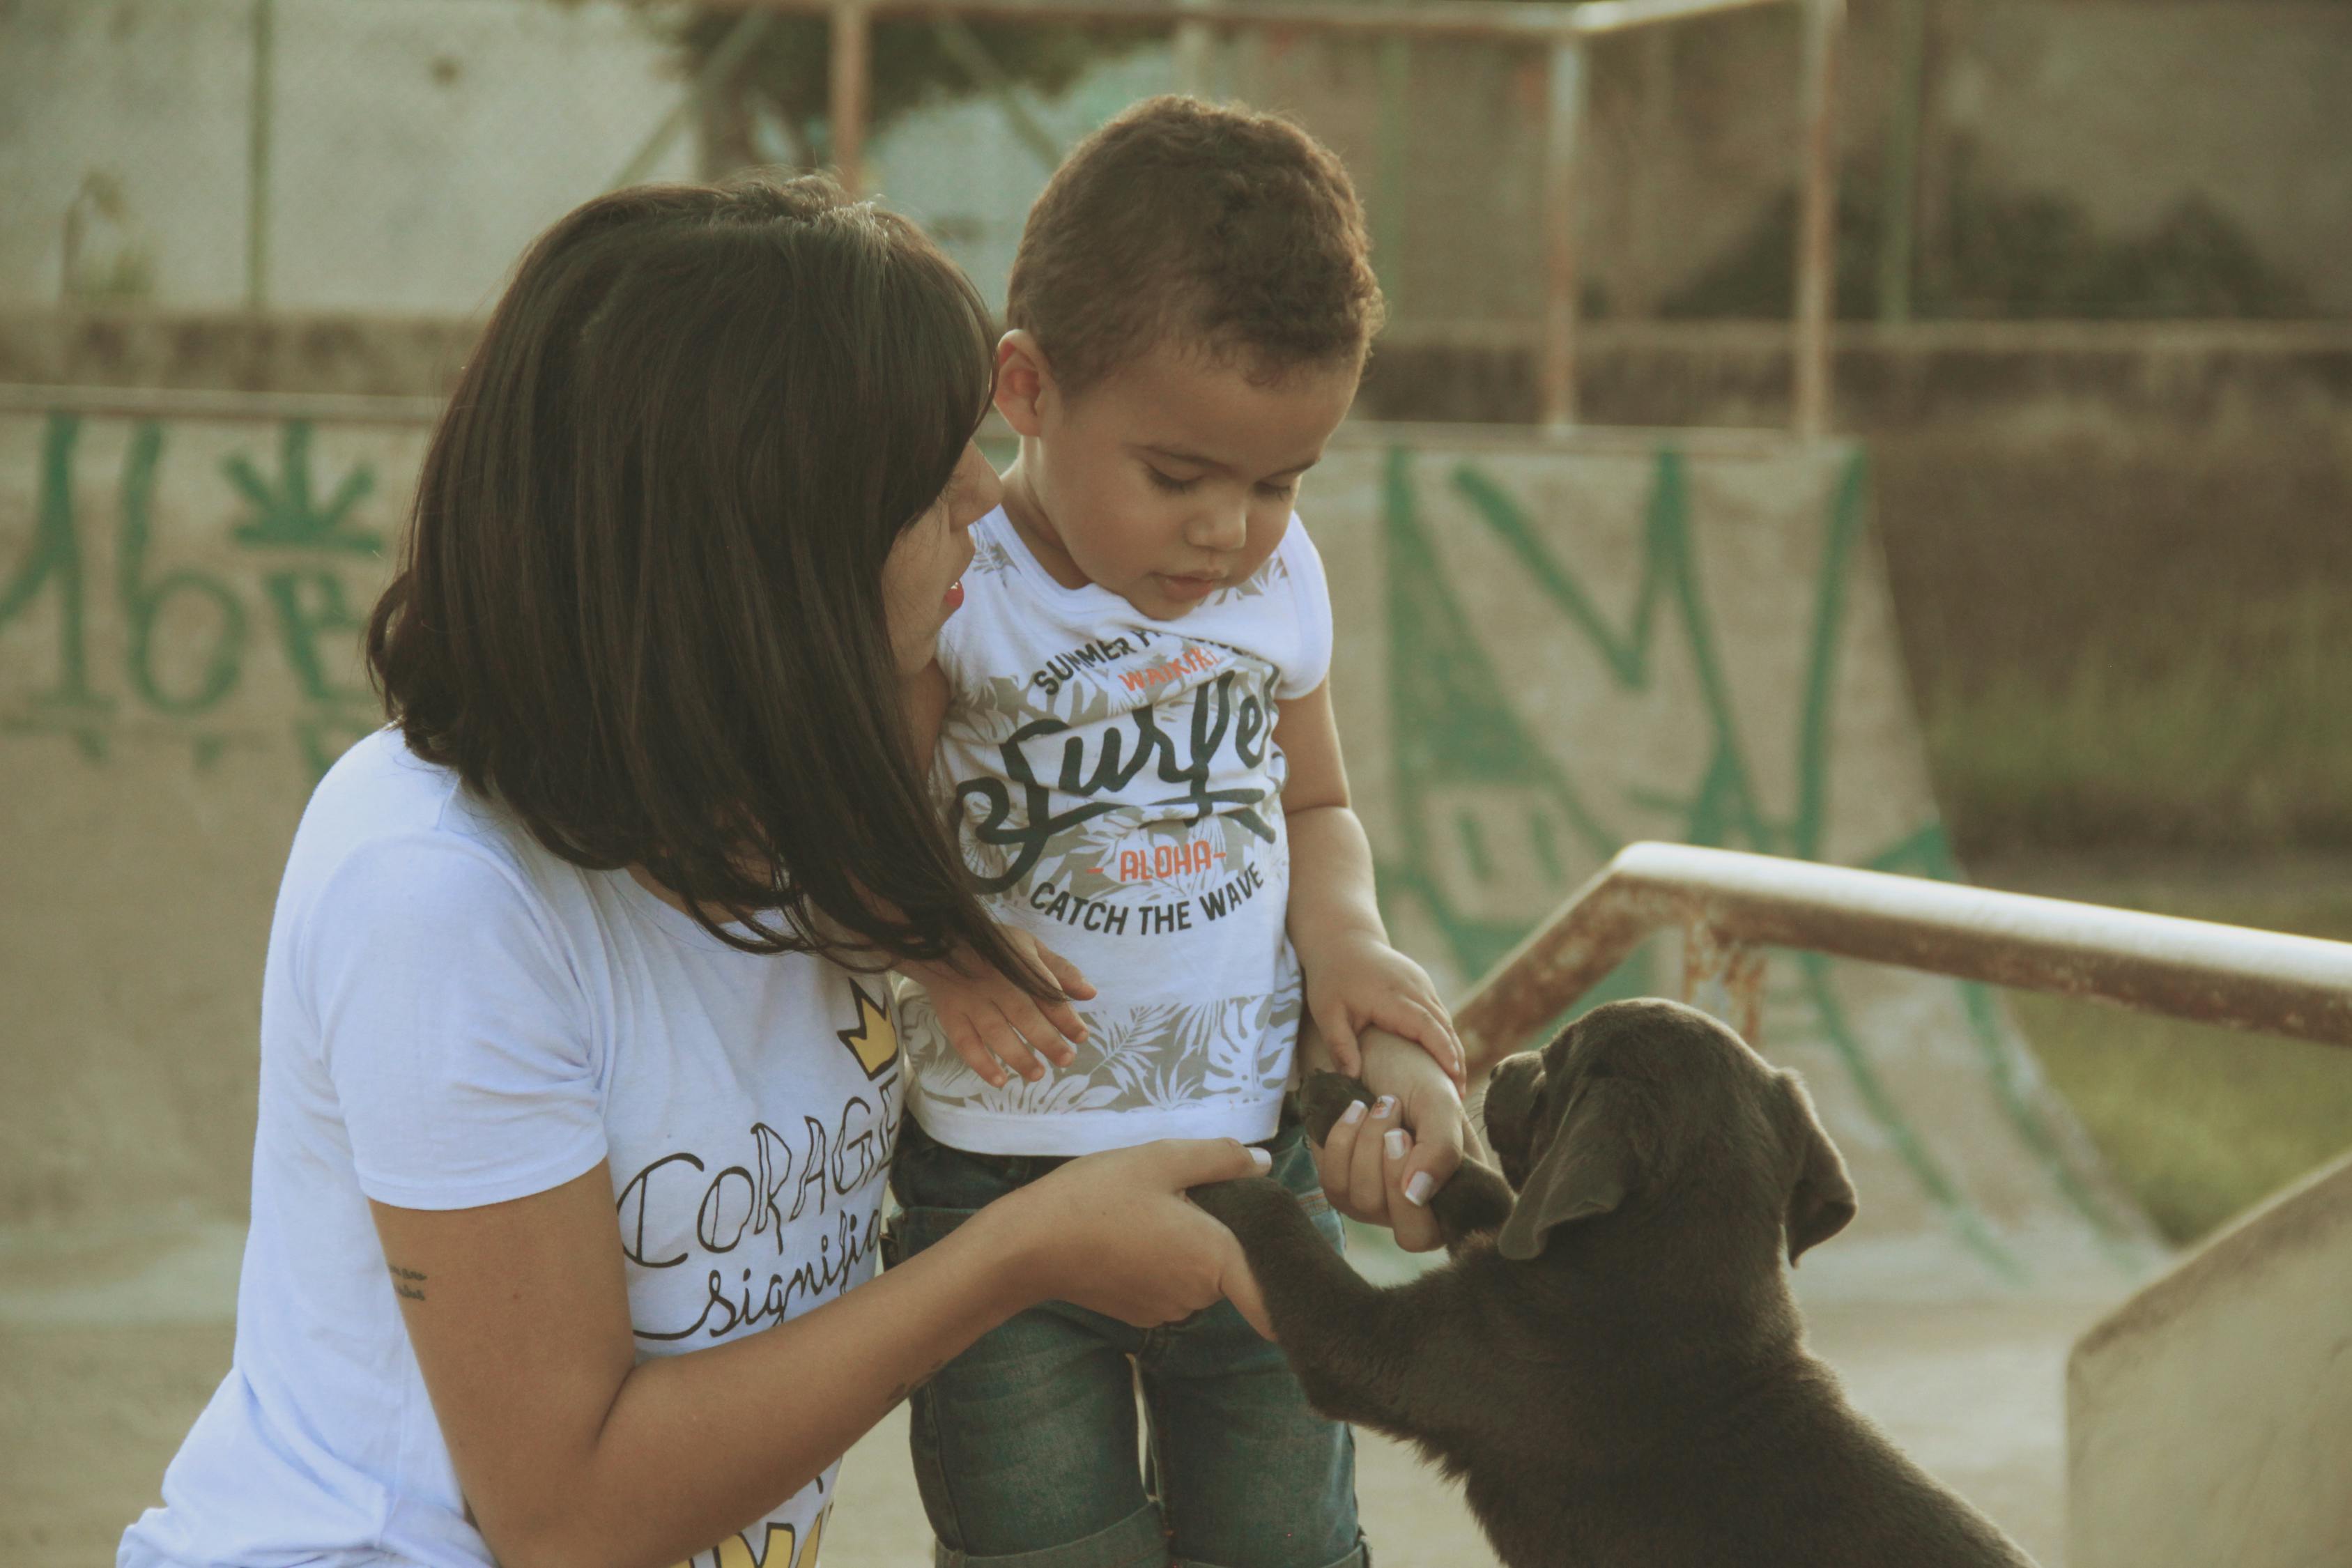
387,820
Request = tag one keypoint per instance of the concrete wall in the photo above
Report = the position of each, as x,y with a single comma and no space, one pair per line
415,145
418,144
2209,1419
1550,649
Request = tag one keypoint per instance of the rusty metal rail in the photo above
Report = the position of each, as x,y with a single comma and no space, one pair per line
1731,906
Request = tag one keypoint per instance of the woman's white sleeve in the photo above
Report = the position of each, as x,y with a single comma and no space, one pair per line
451,1026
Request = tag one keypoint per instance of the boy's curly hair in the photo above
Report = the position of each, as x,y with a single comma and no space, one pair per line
1222,229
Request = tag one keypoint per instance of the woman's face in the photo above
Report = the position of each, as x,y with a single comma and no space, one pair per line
922,582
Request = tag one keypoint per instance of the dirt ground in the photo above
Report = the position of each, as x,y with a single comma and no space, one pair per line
89,1414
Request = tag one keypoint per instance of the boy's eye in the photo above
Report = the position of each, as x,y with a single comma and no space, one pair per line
1282,491
1169,482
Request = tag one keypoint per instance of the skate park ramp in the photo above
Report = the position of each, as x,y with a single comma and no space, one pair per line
1547,648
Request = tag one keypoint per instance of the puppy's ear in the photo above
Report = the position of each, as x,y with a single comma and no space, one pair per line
1821,1195
1591,1166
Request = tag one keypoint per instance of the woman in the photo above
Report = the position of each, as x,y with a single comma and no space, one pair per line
592,932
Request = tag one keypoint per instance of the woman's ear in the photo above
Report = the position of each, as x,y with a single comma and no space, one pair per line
1023,383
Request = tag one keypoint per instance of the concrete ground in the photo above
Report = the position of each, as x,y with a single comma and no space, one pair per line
103,1368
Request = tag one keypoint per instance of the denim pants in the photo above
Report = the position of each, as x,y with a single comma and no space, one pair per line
1025,1446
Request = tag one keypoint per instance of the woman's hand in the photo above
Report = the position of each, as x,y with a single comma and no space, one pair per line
992,1024
1114,1233
1381,1164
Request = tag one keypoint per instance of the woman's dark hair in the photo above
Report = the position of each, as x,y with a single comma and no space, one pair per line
642,601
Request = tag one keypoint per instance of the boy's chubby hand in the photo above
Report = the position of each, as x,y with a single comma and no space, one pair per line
992,1024
1357,982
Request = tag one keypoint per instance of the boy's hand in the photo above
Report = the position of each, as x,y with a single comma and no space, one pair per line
1358,982
992,1024
1381,1164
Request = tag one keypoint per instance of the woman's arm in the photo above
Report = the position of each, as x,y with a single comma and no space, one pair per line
572,1453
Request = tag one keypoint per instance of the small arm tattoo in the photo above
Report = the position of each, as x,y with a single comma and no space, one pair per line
408,1282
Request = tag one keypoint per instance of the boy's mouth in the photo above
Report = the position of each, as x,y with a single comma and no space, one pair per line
953,599
1192,587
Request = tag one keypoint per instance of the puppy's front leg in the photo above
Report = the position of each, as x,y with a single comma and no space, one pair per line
1333,1325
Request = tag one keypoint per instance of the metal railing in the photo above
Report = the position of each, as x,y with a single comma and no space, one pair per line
1565,29
1731,906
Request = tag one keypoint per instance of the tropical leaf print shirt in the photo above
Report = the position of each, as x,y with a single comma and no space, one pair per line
1113,781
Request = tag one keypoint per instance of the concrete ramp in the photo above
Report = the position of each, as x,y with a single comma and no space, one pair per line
1550,647
2209,1419
1547,648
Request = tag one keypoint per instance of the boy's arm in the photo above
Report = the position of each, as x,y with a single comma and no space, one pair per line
1354,978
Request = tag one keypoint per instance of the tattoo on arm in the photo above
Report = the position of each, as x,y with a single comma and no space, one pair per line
408,1282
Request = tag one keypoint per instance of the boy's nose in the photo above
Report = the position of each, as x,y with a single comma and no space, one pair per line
1218,530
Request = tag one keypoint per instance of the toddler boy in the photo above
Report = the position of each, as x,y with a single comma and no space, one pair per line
1134,730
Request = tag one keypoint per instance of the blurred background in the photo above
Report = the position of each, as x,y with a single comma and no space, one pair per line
2090,272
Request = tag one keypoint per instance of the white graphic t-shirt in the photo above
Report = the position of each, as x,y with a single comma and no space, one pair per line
1114,782
451,1016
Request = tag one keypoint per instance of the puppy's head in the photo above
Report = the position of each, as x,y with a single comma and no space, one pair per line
1639,1100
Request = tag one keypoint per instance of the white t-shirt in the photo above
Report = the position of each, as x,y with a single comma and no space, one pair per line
451,1016
1114,782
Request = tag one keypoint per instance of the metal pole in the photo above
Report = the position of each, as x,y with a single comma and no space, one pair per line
256,154
852,39
1900,179
1195,52
1824,20
1388,176
1560,282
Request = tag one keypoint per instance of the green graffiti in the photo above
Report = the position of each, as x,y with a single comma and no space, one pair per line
144,603
1456,730
206,616
53,561
310,605
285,515
1454,736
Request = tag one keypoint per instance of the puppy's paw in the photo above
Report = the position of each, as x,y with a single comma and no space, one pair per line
1258,1209
1324,1097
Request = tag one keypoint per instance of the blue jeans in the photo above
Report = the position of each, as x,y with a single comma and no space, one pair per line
1025,1447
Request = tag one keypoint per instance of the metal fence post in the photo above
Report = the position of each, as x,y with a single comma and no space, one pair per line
849,67
1823,21
1566,106
1195,57
256,153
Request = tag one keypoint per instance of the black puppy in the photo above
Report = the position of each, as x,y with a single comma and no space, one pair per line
1613,1363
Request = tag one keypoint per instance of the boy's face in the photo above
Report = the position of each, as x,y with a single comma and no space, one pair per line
1169,478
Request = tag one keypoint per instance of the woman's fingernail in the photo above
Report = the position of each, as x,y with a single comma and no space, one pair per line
1383,1105
1393,1141
1261,1160
1416,1190
1354,1114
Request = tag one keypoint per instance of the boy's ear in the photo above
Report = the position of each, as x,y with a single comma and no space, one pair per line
1023,382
